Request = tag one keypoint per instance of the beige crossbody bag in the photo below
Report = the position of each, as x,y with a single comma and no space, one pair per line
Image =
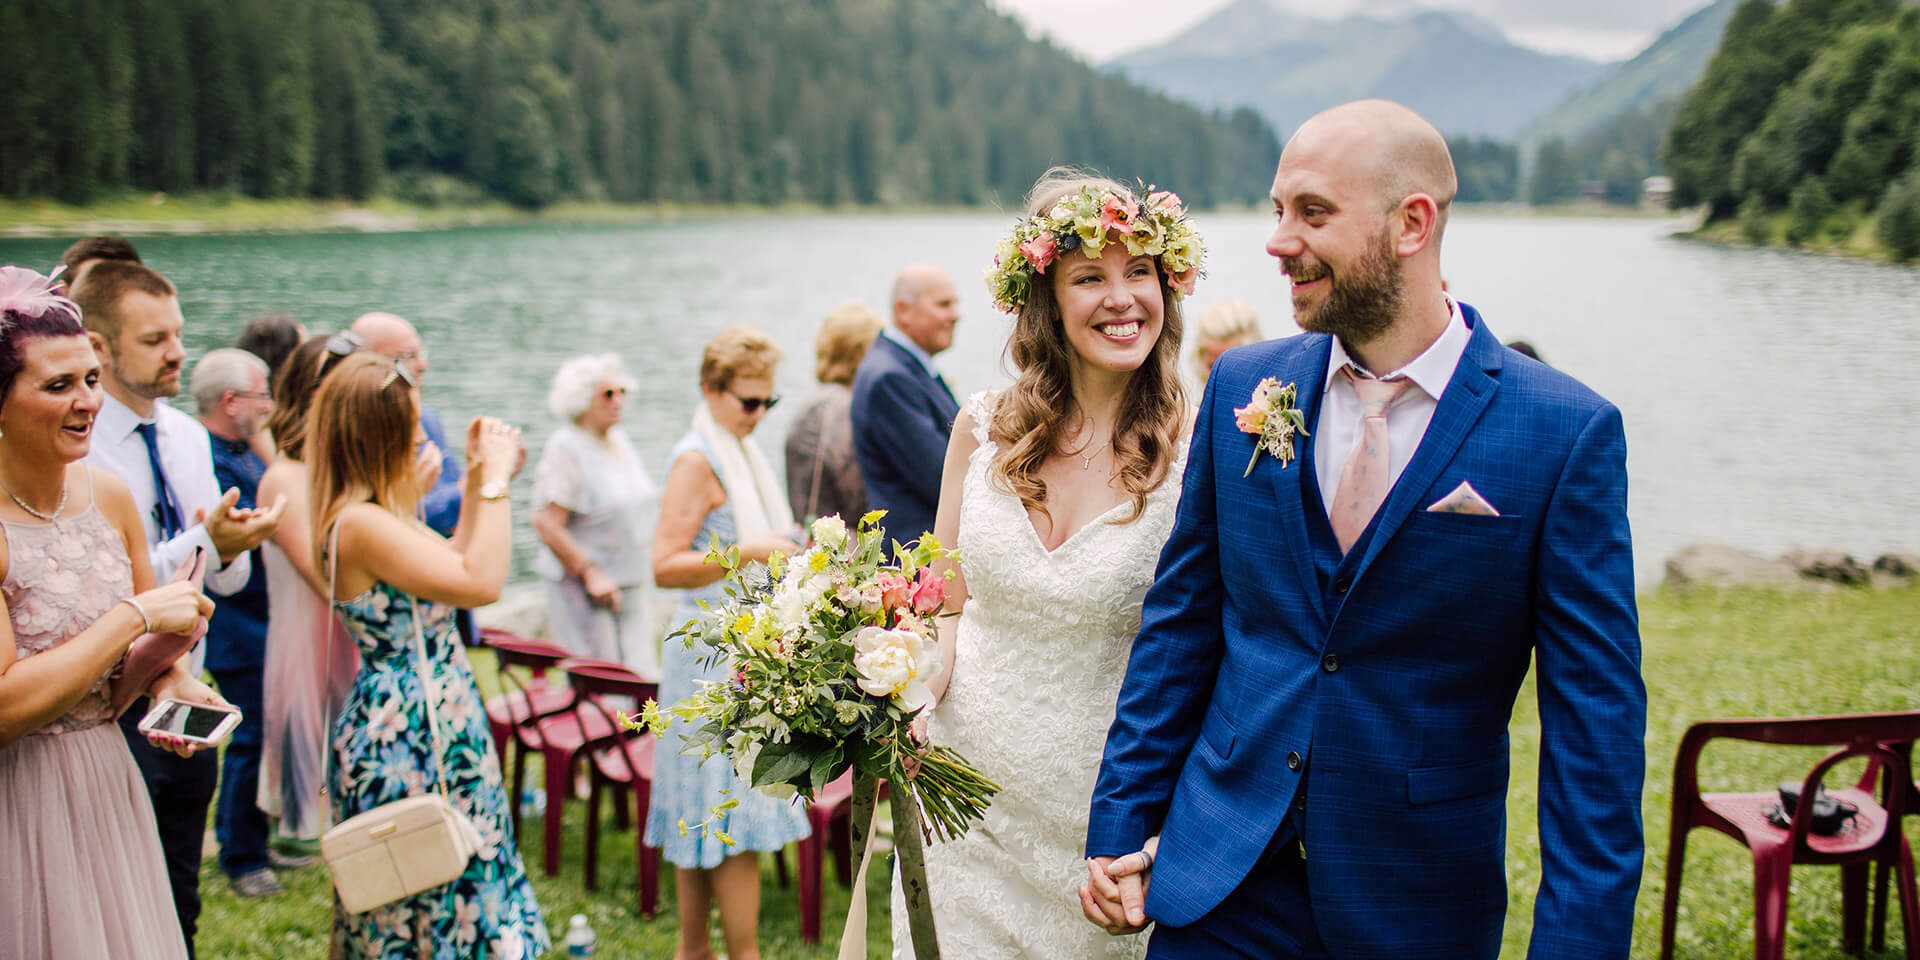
404,847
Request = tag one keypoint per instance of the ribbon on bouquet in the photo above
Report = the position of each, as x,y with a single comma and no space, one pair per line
908,847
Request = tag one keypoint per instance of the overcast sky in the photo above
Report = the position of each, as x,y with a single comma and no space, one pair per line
1600,29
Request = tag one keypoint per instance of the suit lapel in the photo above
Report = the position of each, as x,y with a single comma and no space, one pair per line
1461,405
1290,485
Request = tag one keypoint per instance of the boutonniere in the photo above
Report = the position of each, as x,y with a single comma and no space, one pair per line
1271,416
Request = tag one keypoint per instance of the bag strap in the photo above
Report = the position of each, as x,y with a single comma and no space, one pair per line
420,669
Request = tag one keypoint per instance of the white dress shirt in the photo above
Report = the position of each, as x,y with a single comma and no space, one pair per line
1338,429
187,456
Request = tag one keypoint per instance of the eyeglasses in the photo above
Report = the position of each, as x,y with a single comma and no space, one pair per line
253,394
400,372
755,404
409,356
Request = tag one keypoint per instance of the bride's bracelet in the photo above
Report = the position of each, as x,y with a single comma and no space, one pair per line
146,622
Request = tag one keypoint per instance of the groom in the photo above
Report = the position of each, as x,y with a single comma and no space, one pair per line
1314,720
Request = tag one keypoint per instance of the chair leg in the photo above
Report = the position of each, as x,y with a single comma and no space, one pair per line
1880,905
559,787
780,869
1770,897
1670,899
519,786
840,838
1853,908
500,732
648,857
593,830
1909,902
810,849
622,819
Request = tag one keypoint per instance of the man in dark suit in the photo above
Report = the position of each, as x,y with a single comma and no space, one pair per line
902,409
1309,757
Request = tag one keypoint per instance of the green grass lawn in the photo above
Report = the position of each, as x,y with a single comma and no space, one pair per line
1707,654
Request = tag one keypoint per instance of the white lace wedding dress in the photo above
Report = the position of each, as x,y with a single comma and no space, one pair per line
1041,650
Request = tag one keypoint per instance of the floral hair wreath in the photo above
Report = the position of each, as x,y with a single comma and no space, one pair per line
29,294
1087,221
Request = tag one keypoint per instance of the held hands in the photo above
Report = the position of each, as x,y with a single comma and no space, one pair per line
234,530
175,684
494,451
1115,896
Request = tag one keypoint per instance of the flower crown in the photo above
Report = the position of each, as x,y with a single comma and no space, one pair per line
1087,221
29,294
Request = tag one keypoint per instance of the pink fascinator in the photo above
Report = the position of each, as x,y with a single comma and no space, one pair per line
29,294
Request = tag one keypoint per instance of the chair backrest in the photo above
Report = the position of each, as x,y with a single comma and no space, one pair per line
594,679
510,650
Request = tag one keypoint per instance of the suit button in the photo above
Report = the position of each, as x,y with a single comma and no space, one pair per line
1330,663
1293,760
1341,584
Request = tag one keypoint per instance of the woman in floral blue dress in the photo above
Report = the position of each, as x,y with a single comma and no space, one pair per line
389,570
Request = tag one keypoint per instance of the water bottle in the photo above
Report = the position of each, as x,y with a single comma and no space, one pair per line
533,803
579,937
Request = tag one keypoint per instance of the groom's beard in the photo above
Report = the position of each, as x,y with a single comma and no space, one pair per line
1360,306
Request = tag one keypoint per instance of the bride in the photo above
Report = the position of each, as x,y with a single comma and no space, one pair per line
1059,493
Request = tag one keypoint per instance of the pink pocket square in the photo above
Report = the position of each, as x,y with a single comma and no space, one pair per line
1464,499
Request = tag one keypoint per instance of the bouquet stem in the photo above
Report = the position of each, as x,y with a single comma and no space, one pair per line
907,844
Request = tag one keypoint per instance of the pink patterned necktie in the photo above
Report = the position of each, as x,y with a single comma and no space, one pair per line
1365,479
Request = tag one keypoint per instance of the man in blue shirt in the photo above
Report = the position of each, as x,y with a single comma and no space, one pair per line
229,388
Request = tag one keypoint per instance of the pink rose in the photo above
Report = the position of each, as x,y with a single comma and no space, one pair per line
929,592
1167,203
895,591
1185,282
1040,251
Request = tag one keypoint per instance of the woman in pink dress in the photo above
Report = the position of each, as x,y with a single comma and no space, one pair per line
306,679
76,829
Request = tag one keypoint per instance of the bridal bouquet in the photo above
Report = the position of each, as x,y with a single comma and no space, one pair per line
828,654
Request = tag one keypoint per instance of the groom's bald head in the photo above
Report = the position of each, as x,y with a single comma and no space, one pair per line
1390,148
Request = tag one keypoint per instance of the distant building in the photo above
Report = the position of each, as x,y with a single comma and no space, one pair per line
1654,191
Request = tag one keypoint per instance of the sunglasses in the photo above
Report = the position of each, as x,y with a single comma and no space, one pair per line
400,372
611,392
344,342
755,404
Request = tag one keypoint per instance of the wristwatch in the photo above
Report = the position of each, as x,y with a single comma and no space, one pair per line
493,490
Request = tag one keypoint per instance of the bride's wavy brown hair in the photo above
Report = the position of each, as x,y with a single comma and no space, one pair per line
1033,414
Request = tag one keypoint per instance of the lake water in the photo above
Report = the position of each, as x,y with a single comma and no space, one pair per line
1762,390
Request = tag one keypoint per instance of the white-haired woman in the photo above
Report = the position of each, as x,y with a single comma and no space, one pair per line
1221,327
594,507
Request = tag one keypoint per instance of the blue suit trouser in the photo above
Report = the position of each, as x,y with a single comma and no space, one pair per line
1268,917
237,820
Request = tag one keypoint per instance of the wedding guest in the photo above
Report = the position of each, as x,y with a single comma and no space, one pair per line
271,337
88,878
164,457
1524,349
395,583
902,410
229,390
594,507
87,251
1059,493
307,678
395,337
823,476
1221,327
719,487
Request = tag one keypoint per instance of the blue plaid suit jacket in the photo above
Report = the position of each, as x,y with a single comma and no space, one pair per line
1229,704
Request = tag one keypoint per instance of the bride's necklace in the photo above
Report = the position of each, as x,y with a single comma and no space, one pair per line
53,517
1086,459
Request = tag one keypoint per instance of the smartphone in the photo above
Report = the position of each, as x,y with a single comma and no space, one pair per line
199,722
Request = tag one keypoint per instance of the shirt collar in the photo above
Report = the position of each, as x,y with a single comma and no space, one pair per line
906,343
1430,371
116,421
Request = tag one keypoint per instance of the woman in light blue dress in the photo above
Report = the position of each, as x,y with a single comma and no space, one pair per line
719,488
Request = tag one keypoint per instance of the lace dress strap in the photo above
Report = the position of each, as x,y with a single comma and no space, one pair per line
980,408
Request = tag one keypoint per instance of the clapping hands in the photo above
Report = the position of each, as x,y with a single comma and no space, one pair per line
235,529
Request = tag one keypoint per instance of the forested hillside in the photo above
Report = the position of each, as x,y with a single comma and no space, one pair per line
1811,109
534,101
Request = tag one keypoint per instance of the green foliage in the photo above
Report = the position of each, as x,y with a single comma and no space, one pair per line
1806,122
1554,177
1755,223
1808,210
536,101
1898,224
1488,170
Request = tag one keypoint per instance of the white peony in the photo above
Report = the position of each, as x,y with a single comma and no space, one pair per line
895,664
830,532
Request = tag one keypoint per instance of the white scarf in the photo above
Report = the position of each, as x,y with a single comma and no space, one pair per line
759,501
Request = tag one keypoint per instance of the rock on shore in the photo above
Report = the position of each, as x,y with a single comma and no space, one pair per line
1717,565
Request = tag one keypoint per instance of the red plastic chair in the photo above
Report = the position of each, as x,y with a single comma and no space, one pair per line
1874,836
564,738
622,758
831,816
512,716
